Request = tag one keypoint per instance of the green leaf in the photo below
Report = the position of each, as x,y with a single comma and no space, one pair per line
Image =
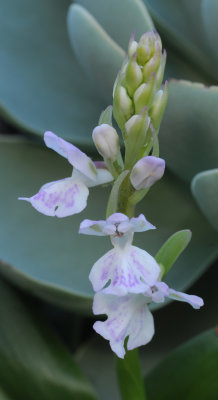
46,255
132,13
33,363
193,367
172,248
205,191
189,129
130,377
99,56
42,86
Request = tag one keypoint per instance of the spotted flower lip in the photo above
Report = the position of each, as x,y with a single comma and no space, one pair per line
126,268
68,196
129,315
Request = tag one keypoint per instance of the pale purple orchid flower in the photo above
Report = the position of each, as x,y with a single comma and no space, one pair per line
129,316
125,268
68,196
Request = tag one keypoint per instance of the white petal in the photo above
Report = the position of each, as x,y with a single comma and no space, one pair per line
89,227
141,328
61,198
129,271
117,218
127,316
102,176
76,157
140,224
194,301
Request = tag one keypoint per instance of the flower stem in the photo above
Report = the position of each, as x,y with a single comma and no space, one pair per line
130,377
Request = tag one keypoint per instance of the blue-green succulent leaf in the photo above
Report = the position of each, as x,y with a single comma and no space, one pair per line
210,16
205,190
189,129
174,20
41,84
99,56
120,18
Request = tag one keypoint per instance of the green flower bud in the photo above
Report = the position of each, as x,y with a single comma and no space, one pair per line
132,46
136,134
122,107
106,141
133,76
153,64
158,106
145,93
146,46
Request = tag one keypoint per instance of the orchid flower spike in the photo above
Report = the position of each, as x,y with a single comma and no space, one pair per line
128,268
129,316
68,196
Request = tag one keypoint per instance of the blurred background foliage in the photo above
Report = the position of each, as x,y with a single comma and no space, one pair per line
58,64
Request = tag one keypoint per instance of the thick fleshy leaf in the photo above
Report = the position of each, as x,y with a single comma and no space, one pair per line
99,56
193,367
171,250
190,129
205,191
42,85
109,14
209,15
34,364
47,256
174,20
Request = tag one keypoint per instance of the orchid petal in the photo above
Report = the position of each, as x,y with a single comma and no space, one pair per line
195,301
117,218
76,157
127,316
60,198
140,224
103,176
89,227
129,270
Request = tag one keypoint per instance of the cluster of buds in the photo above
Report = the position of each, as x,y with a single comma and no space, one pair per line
139,98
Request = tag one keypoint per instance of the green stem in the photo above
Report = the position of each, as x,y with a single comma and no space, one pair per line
130,377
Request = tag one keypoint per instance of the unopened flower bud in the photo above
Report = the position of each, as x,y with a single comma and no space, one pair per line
132,46
158,106
144,94
123,107
133,76
146,46
136,135
146,172
106,141
137,123
153,64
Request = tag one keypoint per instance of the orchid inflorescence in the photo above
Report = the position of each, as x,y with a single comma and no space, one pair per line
126,279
